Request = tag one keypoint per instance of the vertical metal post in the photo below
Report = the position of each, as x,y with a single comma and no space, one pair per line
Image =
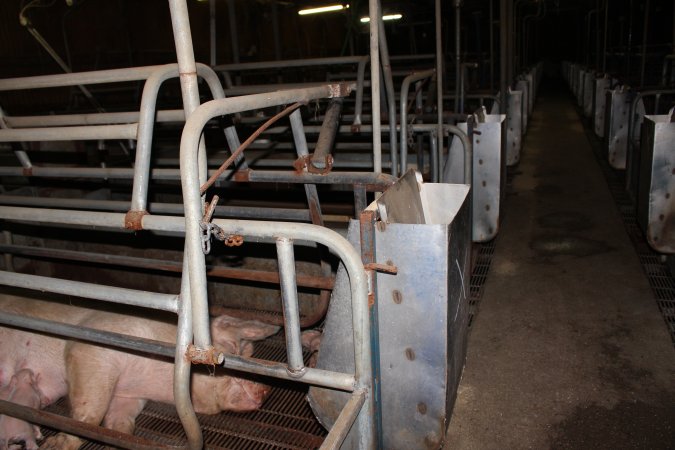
234,35
374,13
275,31
360,199
391,97
597,35
289,298
439,73
645,28
212,32
458,10
503,50
182,366
187,70
367,222
630,39
492,48
604,53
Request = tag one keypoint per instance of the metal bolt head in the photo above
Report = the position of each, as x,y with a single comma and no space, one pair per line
397,296
410,354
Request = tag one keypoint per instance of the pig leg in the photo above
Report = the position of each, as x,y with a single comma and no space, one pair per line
122,414
92,375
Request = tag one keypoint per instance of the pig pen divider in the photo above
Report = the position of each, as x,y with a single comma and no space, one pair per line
358,383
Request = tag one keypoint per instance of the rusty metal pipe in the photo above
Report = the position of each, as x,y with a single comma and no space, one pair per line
263,276
85,430
324,143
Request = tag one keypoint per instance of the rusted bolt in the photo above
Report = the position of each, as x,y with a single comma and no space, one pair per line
484,183
398,297
487,207
477,141
422,408
410,354
209,356
381,226
480,161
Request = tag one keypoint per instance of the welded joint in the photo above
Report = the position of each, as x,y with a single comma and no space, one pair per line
296,373
27,171
209,355
341,89
305,162
133,220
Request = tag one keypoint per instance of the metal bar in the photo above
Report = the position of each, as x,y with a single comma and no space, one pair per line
458,13
85,430
503,51
467,145
492,45
344,422
405,87
439,77
175,115
289,299
605,32
132,297
324,143
645,28
118,340
373,180
367,221
74,79
263,276
212,33
81,133
316,377
234,36
391,95
374,14
195,266
276,64
433,160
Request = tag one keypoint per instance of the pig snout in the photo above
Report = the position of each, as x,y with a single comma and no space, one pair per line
243,395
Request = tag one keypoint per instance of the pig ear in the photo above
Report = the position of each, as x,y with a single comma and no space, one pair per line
252,330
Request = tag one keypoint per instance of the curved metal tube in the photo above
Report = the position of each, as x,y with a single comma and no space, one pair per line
193,215
405,87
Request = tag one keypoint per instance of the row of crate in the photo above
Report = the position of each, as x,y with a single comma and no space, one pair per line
637,128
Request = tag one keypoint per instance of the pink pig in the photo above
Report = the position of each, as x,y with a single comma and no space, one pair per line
23,391
111,386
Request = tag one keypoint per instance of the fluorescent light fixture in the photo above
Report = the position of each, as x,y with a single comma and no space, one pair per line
387,17
322,9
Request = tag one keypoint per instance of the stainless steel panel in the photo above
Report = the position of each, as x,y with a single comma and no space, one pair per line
589,83
618,105
601,87
514,130
521,85
656,193
489,173
423,316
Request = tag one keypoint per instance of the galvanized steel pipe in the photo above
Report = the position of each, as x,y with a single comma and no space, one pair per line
405,87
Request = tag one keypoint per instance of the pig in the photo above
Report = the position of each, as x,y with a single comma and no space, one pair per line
22,390
110,386
311,341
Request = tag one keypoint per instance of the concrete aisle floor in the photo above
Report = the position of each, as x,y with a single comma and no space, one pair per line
568,349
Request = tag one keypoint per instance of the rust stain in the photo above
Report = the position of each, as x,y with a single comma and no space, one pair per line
28,172
383,268
209,355
242,175
133,220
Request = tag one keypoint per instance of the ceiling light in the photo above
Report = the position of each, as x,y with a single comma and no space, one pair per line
386,17
322,9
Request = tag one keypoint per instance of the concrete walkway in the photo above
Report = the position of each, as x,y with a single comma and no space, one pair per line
568,349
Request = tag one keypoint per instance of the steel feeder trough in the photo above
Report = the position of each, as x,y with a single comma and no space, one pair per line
602,84
423,324
616,125
656,186
514,124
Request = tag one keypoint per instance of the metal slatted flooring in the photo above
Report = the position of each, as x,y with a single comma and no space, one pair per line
658,274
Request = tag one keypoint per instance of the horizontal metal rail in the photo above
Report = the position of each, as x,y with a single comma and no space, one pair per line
371,180
132,297
74,79
77,133
262,276
344,422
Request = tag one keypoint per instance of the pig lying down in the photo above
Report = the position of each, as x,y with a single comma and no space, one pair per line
22,389
108,386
